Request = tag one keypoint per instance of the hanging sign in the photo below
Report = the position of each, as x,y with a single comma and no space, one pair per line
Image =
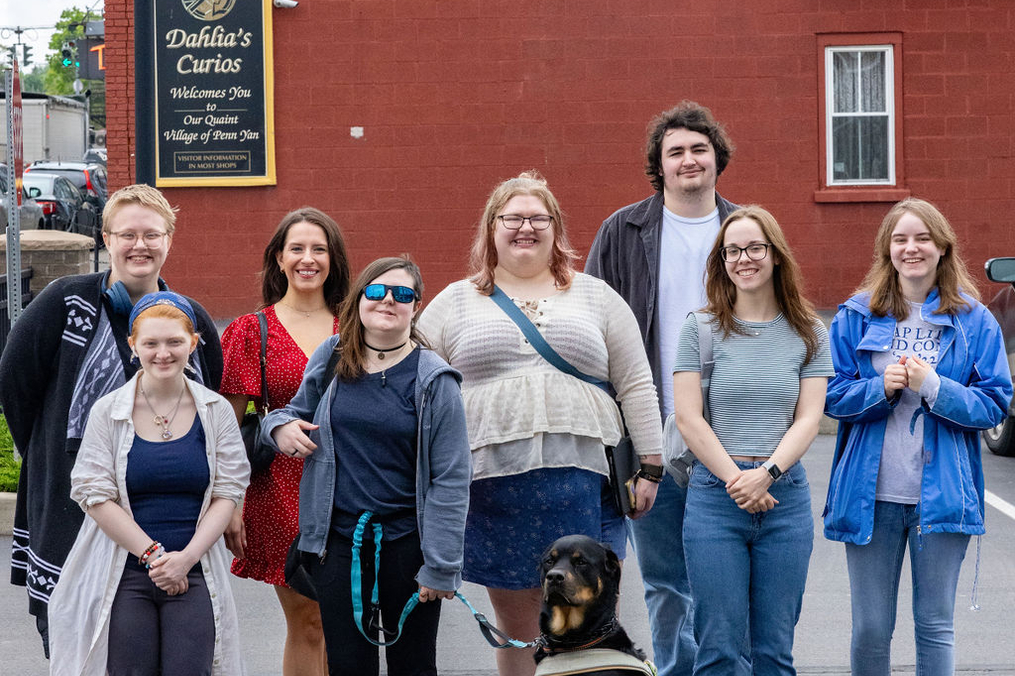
213,93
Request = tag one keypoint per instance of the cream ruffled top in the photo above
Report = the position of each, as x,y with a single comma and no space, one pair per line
513,394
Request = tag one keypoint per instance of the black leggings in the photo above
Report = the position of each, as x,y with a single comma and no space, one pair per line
349,654
152,633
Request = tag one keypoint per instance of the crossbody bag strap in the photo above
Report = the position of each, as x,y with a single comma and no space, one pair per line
705,358
537,341
262,321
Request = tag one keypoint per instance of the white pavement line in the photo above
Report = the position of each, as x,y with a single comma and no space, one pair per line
1000,505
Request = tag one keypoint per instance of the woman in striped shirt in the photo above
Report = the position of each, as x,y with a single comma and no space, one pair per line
748,529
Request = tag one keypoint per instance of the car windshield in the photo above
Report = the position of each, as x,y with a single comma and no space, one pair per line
40,181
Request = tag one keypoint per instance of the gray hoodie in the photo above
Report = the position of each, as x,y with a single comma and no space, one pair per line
443,463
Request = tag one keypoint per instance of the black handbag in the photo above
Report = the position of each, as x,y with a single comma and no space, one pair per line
297,570
622,459
259,454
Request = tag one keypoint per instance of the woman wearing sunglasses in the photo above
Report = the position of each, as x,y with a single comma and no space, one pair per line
538,434
304,279
748,530
384,442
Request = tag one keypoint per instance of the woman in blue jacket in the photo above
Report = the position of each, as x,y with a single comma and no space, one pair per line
387,456
920,368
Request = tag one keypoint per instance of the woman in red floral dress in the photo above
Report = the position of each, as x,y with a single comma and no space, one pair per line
304,279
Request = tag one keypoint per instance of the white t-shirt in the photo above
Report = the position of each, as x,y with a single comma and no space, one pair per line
684,249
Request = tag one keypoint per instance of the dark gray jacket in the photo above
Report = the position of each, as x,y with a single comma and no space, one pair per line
625,255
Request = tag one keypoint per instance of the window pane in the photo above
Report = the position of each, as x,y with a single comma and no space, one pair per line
872,81
874,147
845,148
844,79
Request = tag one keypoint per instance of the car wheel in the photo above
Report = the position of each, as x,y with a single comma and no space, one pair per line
1001,439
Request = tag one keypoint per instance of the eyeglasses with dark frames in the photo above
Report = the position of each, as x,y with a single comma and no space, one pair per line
515,221
755,252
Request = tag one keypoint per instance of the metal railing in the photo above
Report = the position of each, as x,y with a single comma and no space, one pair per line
26,295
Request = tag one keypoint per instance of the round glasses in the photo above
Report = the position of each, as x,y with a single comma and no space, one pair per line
151,239
514,221
755,252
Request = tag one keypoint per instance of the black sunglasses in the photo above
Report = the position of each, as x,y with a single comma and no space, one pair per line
401,294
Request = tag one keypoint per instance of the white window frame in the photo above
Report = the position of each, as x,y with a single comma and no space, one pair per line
831,115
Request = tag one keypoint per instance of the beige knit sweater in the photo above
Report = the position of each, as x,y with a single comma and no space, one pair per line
512,393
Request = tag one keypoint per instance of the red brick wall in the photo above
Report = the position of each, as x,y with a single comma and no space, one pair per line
455,95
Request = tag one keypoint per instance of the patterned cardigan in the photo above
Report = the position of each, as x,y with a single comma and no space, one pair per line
64,353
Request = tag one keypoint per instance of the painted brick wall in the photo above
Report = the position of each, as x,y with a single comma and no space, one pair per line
454,95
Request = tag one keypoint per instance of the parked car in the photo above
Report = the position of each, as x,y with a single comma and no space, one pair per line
95,156
32,217
90,179
62,203
1001,439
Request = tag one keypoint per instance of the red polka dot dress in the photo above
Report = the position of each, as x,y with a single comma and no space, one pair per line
271,509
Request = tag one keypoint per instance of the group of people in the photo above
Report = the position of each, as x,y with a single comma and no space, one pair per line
420,447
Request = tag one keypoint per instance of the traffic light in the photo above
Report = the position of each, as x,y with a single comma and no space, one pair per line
26,53
68,54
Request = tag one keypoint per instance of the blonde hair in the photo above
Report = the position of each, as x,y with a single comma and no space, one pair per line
483,258
786,277
142,195
952,278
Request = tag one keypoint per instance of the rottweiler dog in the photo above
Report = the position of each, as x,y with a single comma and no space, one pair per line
580,579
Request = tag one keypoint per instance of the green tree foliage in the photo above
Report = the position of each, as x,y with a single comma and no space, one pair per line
59,79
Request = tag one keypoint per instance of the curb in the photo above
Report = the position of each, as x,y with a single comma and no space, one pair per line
7,501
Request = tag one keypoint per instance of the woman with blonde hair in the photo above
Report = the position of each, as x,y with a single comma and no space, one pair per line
537,433
748,530
920,368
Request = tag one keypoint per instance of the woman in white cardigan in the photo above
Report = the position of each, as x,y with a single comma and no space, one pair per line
145,588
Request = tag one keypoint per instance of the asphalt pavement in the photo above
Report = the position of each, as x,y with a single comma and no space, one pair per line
984,637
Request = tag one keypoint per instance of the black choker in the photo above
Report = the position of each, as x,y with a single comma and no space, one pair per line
380,352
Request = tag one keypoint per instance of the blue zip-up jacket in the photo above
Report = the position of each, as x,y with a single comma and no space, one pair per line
974,394
443,463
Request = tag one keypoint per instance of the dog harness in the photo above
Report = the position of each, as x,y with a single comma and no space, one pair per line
592,661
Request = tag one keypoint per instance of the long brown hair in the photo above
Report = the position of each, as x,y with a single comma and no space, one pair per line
273,281
483,258
351,344
722,293
952,279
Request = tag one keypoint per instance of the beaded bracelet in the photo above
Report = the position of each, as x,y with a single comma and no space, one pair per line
152,548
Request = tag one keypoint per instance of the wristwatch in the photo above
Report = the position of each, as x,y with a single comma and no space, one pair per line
653,473
772,469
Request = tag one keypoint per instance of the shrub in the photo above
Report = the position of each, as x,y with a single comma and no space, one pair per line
10,468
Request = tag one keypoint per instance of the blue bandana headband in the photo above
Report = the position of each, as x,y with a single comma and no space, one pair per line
163,298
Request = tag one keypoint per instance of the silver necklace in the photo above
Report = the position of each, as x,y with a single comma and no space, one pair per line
163,421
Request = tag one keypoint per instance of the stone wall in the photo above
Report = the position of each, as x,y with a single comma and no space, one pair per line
52,254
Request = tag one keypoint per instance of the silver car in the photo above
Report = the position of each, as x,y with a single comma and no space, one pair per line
32,217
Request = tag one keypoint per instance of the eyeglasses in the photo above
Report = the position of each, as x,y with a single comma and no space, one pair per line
401,294
756,252
514,221
152,239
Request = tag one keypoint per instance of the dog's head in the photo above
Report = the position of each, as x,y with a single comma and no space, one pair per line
580,579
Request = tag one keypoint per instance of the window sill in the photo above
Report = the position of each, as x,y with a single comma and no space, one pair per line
867,193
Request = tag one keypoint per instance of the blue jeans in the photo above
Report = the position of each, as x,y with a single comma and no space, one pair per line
874,571
657,538
747,572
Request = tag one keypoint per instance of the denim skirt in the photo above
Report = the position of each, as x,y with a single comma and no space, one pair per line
513,519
